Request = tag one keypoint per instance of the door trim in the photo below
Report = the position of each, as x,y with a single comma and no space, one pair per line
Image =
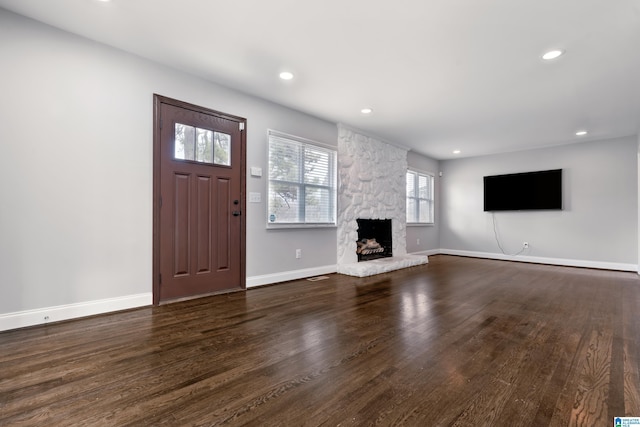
158,100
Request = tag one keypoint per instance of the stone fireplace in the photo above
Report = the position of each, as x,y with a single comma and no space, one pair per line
372,185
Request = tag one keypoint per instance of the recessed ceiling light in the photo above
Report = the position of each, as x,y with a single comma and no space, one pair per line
366,111
581,133
286,75
456,151
552,54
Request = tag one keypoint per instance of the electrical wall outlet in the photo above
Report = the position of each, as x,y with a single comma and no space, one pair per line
525,245
298,253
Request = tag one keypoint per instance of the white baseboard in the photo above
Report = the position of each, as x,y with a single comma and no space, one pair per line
45,315
40,316
427,252
267,279
543,260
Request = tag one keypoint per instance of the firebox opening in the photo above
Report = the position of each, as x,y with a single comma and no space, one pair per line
374,239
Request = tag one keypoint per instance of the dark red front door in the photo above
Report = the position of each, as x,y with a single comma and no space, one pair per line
201,226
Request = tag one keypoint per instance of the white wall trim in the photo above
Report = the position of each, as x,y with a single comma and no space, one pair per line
267,279
638,177
427,252
543,260
41,316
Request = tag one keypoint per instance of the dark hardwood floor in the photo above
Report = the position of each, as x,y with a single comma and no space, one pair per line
460,341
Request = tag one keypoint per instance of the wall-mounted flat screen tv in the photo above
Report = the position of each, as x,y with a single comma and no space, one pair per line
540,190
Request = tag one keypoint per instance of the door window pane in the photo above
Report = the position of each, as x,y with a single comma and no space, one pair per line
184,147
222,150
202,145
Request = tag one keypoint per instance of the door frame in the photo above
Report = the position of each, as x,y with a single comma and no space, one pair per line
158,100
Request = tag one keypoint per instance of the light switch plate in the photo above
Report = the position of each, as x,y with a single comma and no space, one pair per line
255,197
256,171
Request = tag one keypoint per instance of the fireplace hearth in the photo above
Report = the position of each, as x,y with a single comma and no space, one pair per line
374,239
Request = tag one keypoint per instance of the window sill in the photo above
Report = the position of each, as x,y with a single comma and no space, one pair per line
272,226
420,224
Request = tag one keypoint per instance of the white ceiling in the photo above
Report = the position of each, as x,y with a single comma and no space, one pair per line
439,74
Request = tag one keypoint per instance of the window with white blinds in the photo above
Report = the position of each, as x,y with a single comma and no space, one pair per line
302,182
420,198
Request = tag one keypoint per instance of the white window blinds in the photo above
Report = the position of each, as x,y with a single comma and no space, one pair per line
302,181
420,198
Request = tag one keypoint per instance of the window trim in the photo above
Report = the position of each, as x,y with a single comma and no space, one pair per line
333,166
432,175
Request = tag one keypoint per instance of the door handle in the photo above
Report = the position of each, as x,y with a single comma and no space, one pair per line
236,213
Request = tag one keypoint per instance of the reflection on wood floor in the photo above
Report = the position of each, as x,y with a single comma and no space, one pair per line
459,341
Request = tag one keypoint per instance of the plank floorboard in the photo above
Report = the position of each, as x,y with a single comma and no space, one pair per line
456,342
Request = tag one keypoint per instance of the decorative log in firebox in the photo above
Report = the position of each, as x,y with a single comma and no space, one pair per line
374,239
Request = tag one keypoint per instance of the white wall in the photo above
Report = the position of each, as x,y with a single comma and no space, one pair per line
427,235
76,171
598,224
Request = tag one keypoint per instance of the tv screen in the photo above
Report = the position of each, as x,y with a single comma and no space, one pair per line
541,190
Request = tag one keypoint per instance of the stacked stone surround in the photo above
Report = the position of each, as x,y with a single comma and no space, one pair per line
372,185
